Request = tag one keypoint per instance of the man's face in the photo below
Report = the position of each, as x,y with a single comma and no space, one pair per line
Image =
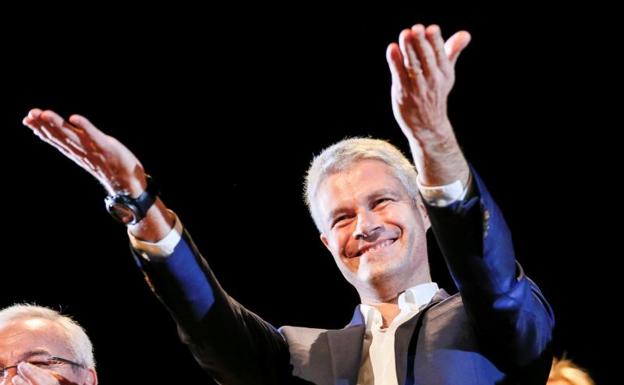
35,340
372,227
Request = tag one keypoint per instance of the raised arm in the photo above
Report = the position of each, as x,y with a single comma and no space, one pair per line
231,343
106,159
507,309
423,74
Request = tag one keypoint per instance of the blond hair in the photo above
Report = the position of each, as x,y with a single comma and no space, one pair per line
340,156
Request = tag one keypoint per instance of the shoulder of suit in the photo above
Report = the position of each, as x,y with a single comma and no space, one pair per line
444,305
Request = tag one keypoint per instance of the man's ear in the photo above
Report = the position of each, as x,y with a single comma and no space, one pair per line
92,377
325,240
422,209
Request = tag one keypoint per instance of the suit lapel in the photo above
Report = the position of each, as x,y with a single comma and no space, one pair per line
345,347
405,343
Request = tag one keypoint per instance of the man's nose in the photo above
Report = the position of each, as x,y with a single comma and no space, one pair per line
367,225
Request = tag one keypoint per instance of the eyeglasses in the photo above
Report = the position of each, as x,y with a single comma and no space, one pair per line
44,363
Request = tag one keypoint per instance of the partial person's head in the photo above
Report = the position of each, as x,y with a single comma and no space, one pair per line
46,339
363,197
566,372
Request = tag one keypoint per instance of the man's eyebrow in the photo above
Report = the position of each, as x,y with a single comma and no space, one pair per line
335,212
374,195
35,352
382,192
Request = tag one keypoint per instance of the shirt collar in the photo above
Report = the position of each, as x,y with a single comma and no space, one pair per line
410,302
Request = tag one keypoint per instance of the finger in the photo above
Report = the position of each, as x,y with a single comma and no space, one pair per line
95,141
410,58
50,135
456,44
18,380
35,375
51,123
51,117
395,63
423,49
411,64
32,118
90,137
79,159
65,138
62,129
35,113
81,138
84,123
45,128
434,35
72,141
51,127
44,137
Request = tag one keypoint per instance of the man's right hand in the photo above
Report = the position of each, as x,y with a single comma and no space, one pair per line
103,156
107,159
31,375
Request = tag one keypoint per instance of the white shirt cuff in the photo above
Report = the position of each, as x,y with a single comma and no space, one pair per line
162,248
442,196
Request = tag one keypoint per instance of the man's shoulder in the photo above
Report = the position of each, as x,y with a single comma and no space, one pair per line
308,336
445,305
301,333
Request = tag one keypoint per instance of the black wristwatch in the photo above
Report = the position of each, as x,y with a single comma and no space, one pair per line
128,210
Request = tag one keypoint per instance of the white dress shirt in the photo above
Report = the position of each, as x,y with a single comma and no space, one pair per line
378,361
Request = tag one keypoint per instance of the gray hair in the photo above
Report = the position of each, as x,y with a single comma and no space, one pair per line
78,340
339,156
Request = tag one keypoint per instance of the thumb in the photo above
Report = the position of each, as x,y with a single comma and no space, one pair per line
456,44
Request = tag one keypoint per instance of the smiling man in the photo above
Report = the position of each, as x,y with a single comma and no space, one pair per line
372,225
372,208
39,346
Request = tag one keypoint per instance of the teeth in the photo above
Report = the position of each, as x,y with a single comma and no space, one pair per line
380,246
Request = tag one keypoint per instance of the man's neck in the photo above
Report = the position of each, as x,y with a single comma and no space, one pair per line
388,311
387,302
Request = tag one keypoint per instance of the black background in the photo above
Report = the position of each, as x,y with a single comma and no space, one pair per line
225,107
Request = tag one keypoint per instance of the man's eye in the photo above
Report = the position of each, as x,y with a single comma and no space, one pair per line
380,201
339,219
43,364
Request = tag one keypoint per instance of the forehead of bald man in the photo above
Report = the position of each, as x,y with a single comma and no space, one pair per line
22,338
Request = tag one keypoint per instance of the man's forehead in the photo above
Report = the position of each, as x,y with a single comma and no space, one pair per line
362,170
29,325
35,334
361,179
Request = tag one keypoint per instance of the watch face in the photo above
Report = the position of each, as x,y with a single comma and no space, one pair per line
122,213
121,209
129,210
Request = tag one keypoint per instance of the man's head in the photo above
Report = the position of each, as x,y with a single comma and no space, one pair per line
363,197
49,341
566,372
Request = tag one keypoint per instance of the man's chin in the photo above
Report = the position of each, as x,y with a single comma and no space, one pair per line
376,273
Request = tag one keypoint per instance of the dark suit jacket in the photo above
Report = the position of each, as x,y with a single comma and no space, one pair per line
497,330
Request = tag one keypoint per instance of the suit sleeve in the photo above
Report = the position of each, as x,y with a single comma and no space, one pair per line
231,343
509,313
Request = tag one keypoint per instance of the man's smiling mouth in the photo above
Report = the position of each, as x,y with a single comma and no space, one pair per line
375,246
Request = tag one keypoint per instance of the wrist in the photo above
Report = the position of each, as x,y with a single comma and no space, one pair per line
131,206
438,168
156,225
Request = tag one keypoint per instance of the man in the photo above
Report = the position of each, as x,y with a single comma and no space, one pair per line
364,197
566,372
39,346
